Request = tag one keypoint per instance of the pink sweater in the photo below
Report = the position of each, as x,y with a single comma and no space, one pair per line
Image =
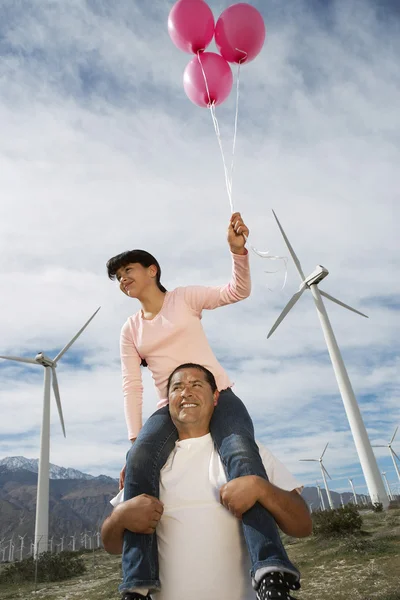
175,336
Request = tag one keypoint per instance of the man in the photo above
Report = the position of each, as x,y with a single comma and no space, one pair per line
202,552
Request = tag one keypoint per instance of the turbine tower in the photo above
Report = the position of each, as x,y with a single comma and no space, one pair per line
366,455
323,471
354,492
321,497
50,377
390,494
392,452
22,538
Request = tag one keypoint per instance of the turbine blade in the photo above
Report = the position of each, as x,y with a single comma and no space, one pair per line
326,472
336,301
64,350
308,459
395,455
394,435
291,251
29,361
379,446
58,399
285,311
324,450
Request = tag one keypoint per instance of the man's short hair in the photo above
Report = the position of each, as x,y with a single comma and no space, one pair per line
209,376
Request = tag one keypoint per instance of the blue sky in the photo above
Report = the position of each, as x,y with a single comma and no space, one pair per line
101,151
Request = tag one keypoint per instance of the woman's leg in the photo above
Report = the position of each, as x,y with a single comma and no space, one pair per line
145,460
233,434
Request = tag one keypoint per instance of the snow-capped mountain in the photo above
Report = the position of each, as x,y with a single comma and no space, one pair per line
20,463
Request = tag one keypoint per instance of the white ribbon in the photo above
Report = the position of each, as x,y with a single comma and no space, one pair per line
229,173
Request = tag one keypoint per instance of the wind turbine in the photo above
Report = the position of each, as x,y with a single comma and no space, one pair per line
11,550
323,471
321,497
22,538
388,486
354,492
366,455
392,452
50,376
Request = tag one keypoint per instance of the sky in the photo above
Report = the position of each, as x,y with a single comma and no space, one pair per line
101,151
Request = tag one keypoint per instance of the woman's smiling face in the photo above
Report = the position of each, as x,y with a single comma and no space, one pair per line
134,279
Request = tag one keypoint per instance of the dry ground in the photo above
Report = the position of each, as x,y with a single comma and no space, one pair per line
365,567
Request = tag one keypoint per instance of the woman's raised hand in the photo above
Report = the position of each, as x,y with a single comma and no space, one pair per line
238,233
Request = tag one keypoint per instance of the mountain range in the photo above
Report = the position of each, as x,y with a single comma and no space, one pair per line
78,502
20,463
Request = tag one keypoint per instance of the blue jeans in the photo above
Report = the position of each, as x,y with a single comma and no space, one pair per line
233,434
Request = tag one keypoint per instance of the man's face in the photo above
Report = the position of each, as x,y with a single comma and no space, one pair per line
191,399
134,279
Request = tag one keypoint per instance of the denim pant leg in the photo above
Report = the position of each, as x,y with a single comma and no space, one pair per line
233,434
145,460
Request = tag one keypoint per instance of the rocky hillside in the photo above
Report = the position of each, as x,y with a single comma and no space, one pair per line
76,505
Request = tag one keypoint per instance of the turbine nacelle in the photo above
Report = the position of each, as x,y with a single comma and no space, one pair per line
44,360
316,276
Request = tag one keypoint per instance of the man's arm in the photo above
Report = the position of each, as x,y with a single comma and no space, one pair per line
140,515
288,508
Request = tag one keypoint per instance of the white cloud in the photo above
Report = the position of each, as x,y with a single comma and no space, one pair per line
100,152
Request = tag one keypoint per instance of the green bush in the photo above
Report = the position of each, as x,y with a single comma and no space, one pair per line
377,507
337,522
50,567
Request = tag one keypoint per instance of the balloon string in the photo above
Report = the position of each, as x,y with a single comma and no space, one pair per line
211,106
229,174
236,123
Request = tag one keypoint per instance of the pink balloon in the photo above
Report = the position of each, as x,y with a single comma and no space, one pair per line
219,78
191,25
240,33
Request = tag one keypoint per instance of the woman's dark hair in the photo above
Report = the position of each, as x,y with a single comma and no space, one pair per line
209,376
134,256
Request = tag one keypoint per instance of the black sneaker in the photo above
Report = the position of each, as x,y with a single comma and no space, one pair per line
135,596
277,586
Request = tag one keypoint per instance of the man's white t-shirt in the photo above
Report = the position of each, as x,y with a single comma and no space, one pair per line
202,552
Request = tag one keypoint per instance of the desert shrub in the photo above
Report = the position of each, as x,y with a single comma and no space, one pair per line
50,567
363,544
337,522
377,507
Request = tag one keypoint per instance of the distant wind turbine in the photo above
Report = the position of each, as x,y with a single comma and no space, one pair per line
323,471
366,455
354,492
22,538
392,452
11,550
321,498
388,486
50,376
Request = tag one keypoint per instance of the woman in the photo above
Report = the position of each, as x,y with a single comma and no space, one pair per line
165,333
